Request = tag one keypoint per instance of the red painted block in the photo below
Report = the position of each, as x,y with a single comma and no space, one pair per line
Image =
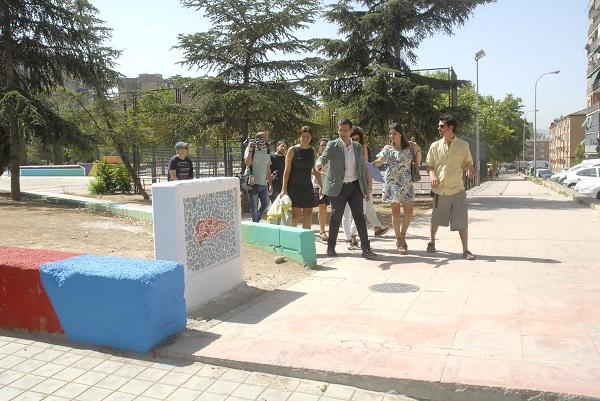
24,304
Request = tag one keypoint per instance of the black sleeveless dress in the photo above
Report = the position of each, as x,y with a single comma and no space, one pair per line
300,188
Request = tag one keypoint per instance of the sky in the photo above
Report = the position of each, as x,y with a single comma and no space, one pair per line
522,39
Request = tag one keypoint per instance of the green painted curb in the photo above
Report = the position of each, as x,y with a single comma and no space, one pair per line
296,244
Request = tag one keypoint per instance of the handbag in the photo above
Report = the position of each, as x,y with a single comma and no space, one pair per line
415,174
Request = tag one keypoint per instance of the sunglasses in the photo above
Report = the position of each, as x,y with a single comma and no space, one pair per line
442,126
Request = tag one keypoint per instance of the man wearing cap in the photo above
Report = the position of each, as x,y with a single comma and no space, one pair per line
180,165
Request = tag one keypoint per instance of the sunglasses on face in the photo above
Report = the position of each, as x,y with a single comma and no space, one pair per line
442,126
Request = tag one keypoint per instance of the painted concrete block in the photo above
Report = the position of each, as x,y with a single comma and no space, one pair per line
267,234
24,304
123,303
300,240
198,224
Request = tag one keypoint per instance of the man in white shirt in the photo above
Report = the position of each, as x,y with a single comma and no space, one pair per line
345,183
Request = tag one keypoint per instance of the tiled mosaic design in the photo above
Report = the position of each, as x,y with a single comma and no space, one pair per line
210,229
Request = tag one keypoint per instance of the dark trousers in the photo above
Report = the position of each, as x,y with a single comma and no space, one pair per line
351,195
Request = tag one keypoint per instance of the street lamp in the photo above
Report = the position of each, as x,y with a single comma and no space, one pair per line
535,116
479,55
524,121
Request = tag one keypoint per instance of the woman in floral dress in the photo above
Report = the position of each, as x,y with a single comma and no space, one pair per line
398,187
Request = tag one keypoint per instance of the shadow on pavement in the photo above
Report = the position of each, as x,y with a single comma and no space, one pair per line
509,202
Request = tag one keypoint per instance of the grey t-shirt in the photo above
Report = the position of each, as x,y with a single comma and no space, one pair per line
260,161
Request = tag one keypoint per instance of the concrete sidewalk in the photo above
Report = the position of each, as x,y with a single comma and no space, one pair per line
523,319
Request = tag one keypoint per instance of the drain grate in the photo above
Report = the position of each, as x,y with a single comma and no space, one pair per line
394,288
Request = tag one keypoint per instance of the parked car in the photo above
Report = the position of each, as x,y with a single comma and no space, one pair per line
560,177
543,173
589,187
587,172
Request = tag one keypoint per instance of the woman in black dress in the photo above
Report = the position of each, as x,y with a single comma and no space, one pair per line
299,166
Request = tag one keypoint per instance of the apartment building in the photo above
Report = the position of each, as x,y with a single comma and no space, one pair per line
592,120
565,134
542,148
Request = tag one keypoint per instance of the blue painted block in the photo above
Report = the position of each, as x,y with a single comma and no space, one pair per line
123,303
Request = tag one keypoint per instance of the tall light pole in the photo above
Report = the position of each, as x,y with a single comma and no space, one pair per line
535,116
524,122
479,55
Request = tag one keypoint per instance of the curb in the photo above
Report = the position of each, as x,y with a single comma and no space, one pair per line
422,390
568,192
119,209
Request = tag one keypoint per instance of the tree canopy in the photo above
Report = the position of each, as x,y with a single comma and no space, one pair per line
42,44
369,67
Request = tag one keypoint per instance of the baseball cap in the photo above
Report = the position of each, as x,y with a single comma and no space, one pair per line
181,145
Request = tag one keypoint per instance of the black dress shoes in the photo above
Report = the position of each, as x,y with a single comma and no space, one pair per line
331,252
369,254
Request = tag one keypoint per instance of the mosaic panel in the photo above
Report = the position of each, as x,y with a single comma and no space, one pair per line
210,229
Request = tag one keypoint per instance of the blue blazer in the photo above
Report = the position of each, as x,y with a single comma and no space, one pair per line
334,154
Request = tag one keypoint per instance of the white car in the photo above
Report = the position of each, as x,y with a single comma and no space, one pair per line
589,187
560,177
578,175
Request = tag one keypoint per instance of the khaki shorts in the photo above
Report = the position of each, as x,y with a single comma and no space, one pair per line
450,210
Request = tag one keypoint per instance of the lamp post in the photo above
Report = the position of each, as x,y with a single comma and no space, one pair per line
535,116
479,55
524,122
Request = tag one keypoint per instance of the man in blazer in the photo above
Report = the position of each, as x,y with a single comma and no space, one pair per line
345,183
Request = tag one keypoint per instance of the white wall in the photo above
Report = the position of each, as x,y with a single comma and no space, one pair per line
198,224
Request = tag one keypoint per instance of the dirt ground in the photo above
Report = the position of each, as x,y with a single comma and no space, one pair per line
36,224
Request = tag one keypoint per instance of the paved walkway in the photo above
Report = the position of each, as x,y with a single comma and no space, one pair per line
524,316
33,369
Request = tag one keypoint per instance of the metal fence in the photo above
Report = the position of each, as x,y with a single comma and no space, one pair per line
151,164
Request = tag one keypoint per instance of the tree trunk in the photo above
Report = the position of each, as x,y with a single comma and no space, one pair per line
13,125
129,167
15,158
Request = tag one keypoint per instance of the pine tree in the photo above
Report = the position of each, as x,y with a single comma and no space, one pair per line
252,88
368,70
42,43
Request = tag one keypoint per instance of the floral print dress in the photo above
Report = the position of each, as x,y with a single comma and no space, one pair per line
398,185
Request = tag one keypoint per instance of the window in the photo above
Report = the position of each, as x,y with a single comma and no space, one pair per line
588,172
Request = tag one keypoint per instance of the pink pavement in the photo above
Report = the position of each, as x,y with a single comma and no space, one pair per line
525,316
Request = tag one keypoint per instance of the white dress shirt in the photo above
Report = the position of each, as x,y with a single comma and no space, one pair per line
350,173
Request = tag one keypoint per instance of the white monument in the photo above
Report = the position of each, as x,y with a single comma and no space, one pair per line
198,224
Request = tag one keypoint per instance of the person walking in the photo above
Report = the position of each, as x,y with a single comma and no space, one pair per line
323,200
257,159
345,183
348,224
447,161
398,189
278,167
180,165
297,183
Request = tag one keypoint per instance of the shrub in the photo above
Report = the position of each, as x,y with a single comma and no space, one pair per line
110,178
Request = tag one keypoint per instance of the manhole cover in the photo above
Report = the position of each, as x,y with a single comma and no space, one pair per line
395,288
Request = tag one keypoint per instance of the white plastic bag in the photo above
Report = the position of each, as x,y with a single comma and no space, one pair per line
275,212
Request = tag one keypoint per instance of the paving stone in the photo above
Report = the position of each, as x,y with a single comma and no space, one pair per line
8,393
160,391
223,387
28,381
9,376
29,396
135,386
248,391
49,386
182,394
49,369
90,378
69,373
71,390
175,378
94,394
